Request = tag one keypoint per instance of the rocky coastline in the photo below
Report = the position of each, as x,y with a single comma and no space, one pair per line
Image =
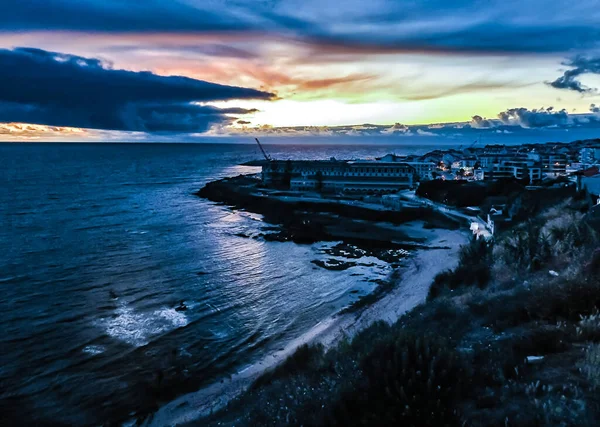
310,221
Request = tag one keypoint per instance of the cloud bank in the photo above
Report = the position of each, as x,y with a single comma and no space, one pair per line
520,121
522,124
55,89
537,118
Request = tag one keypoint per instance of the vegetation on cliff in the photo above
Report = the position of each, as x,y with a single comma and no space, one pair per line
510,337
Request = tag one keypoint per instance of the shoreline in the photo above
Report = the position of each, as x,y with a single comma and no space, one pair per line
407,293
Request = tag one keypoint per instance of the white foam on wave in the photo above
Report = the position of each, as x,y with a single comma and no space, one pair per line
94,349
137,328
219,334
137,232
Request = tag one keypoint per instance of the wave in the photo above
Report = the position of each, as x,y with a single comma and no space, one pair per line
137,328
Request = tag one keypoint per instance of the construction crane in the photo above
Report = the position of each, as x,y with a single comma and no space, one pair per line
477,141
264,153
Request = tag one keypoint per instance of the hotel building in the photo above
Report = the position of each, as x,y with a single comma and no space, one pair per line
336,176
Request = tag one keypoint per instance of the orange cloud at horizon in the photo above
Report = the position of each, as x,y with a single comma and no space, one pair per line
28,131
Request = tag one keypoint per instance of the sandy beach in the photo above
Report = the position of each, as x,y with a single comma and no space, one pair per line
417,273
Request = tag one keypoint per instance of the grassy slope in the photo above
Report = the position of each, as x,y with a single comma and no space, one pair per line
461,359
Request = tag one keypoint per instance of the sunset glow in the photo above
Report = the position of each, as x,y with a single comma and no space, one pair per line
418,65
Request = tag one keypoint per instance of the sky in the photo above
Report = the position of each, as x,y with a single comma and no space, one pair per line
182,70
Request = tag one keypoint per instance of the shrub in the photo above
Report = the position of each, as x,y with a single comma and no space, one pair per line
554,235
408,380
474,269
526,247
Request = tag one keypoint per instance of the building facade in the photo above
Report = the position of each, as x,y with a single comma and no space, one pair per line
335,176
424,168
554,164
518,168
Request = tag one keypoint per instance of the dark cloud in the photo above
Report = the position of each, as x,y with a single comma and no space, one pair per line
114,15
523,118
536,118
581,65
147,16
594,108
487,38
55,89
421,25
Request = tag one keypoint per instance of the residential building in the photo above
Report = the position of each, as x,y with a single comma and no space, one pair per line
516,168
554,164
487,160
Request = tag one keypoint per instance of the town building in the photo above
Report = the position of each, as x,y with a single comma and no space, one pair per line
423,168
554,164
589,155
495,149
468,163
519,168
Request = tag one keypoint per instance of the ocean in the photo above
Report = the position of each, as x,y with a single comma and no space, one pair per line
99,245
